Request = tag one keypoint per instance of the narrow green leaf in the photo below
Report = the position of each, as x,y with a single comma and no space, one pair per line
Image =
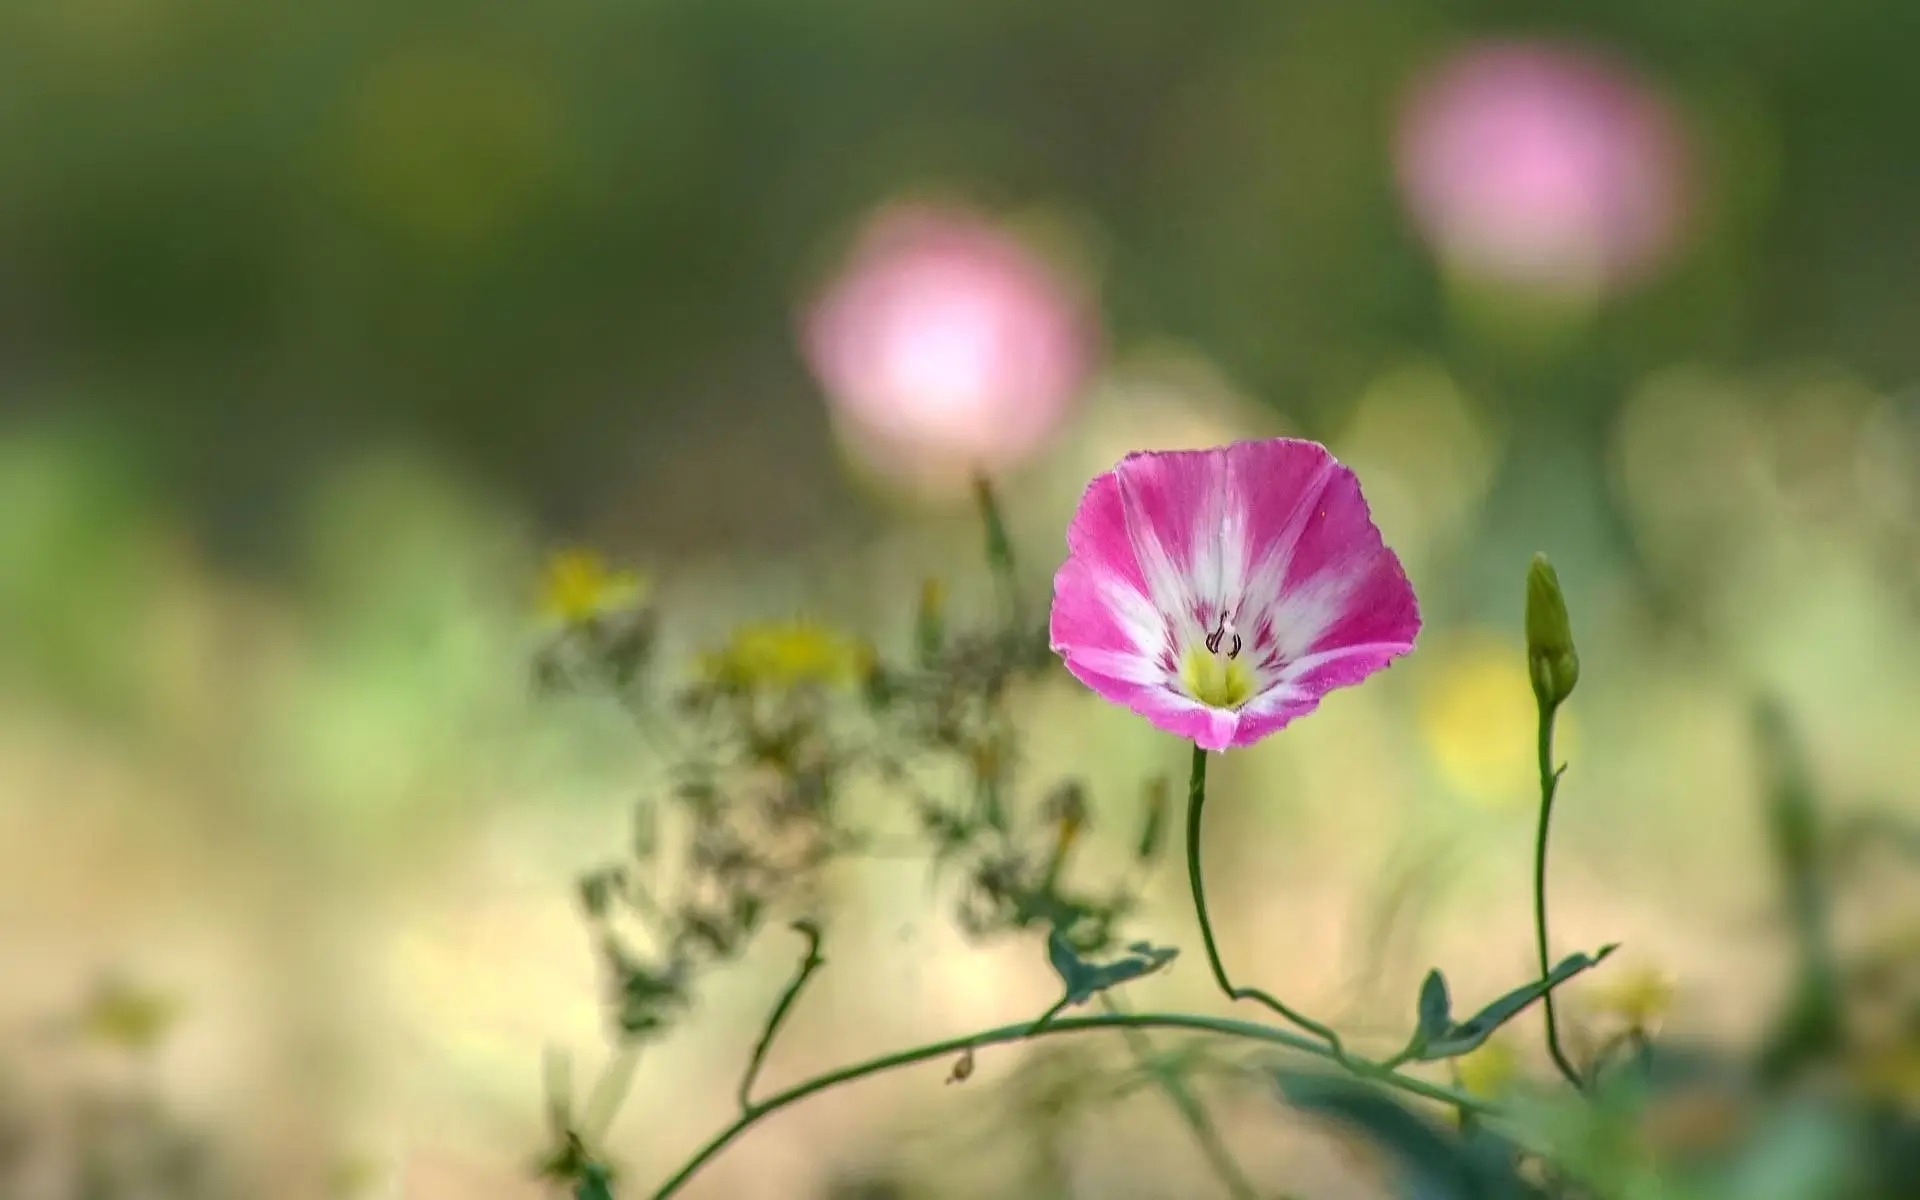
1468,1035
1436,1006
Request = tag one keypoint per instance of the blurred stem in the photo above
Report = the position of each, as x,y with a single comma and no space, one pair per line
1812,1024
1196,799
810,963
1549,786
609,1093
999,545
1219,1157
1244,1030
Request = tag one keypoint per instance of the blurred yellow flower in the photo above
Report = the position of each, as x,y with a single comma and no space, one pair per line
1489,1071
127,1017
787,654
579,587
1477,717
1639,996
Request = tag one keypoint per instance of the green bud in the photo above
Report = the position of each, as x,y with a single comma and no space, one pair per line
1552,662
999,545
930,622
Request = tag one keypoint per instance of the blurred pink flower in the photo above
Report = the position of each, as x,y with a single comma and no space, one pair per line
1221,593
1543,165
945,344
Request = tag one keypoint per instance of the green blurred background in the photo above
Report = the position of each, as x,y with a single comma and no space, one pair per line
321,324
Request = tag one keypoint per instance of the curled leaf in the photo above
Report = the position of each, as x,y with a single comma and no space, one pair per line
1084,980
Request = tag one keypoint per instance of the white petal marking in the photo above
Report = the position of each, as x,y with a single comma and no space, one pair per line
1171,591
1269,574
1300,667
1145,627
1303,615
1118,664
1276,697
1226,533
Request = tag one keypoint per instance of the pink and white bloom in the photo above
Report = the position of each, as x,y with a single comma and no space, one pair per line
1221,593
946,344
1545,165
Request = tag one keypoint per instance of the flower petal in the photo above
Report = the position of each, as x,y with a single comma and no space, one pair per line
1276,533
1271,711
1186,718
1343,586
1176,504
1275,485
1304,682
1101,614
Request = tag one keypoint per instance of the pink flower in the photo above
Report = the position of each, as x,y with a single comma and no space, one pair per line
945,343
1221,593
1543,165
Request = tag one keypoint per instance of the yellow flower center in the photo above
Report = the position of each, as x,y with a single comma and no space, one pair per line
1213,672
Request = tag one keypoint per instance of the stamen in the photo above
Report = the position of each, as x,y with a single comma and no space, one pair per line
1220,633
1215,678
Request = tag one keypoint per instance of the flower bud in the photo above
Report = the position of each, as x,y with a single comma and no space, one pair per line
930,622
1552,662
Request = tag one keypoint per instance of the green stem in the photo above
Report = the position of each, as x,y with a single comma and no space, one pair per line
1549,785
808,965
1023,1030
1046,1018
1191,1110
1196,799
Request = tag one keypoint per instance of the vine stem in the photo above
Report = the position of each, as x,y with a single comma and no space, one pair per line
1192,1111
1196,800
1023,1030
808,965
1549,786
